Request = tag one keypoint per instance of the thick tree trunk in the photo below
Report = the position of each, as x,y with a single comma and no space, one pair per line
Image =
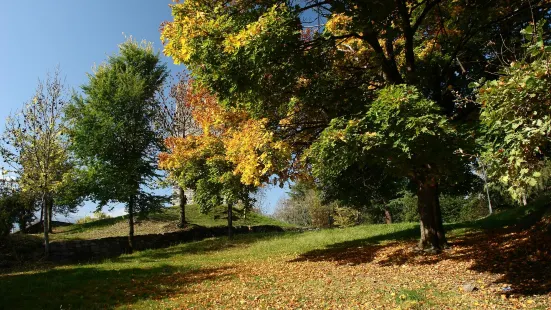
183,202
230,220
433,237
388,217
46,228
131,225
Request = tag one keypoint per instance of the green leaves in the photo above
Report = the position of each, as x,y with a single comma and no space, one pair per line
516,122
111,126
401,133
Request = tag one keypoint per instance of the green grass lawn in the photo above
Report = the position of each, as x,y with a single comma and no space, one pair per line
363,267
160,222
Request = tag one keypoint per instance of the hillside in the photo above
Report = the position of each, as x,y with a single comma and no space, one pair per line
161,222
505,257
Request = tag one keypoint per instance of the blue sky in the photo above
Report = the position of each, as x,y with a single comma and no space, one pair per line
38,36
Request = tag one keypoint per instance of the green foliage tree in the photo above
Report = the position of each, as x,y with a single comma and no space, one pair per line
516,118
403,134
112,130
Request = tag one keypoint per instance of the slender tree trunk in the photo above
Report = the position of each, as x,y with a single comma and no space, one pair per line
46,228
131,224
183,202
433,236
22,224
388,217
230,220
41,220
50,212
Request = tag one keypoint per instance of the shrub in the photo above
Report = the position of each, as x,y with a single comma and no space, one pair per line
346,217
98,215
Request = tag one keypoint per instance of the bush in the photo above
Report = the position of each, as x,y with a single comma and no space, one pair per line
13,208
98,215
291,212
320,213
404,209
346,217
306,209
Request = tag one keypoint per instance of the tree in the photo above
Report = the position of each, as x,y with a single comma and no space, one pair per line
403,134
176,120
227,161
35,147
112,130
515,117
270,59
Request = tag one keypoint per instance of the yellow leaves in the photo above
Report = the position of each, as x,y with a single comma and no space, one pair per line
255,152
192,20
429,47
338,24
227,134
235,41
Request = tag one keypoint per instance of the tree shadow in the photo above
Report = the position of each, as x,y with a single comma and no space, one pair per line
358,251
94,288
520,253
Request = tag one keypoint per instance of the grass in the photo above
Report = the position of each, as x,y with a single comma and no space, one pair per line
370,266
160,222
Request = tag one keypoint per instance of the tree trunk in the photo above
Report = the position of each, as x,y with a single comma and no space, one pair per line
22,224
388,217
183,202
50,212
46,228
131,225
230,220
433,237
41,220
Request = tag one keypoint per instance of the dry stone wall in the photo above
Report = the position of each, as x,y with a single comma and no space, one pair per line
85,250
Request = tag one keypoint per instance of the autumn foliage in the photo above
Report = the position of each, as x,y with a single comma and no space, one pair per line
244,144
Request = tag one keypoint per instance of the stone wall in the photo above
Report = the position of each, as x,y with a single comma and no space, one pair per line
85,250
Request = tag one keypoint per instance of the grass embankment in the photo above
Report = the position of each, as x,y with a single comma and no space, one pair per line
363,267
160,222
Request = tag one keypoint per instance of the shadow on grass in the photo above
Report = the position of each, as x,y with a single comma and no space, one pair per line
515,245
202,247
93,288
358,251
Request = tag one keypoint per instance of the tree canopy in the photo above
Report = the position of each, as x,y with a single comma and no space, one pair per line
310,67
112,130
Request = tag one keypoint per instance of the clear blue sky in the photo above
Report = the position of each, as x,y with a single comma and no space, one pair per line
39,35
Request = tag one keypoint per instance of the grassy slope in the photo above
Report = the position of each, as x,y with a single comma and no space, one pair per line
361,267
161,222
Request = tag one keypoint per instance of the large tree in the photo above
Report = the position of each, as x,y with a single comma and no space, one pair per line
112,129
302,64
